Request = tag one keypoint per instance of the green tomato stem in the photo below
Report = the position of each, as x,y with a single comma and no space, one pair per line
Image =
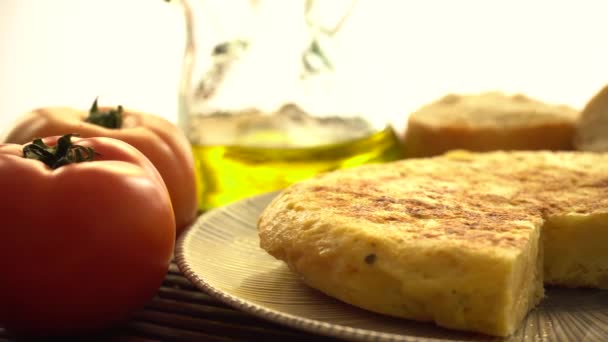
64,153
110,119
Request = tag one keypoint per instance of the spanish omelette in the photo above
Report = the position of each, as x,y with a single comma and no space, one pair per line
465,239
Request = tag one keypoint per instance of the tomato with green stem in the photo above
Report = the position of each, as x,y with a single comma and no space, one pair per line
160,140
87,233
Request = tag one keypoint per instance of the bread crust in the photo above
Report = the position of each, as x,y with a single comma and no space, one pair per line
592,126
488,122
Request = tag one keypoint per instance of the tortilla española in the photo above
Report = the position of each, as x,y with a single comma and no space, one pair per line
465,239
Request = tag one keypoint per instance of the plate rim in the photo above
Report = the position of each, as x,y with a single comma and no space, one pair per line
259,310
293,321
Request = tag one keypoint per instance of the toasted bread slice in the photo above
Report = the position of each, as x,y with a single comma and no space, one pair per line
592,126
456,239
487,122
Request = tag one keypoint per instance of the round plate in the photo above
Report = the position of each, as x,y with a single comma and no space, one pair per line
220,254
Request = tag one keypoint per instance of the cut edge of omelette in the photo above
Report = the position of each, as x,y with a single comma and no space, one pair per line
576,250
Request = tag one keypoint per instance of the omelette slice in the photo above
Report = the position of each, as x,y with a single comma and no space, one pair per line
465,240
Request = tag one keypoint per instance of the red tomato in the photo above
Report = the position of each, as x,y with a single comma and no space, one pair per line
161,141
82,245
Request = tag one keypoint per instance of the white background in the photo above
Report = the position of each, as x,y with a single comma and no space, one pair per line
66,52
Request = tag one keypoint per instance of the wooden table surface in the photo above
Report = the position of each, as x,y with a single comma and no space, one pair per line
181,312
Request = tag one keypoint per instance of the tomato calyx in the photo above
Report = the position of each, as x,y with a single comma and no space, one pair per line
64,153
108,119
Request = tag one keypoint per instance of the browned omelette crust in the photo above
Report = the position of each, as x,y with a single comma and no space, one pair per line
477,197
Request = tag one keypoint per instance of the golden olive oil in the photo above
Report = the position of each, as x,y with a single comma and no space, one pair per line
226,173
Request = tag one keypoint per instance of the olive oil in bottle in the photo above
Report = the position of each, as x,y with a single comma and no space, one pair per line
272,98
266,154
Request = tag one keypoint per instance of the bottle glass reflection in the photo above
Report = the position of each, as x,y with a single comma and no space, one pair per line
263,99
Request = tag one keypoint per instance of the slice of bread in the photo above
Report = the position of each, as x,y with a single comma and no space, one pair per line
487,122
592,126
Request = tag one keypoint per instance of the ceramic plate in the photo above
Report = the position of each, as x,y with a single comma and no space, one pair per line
220,254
